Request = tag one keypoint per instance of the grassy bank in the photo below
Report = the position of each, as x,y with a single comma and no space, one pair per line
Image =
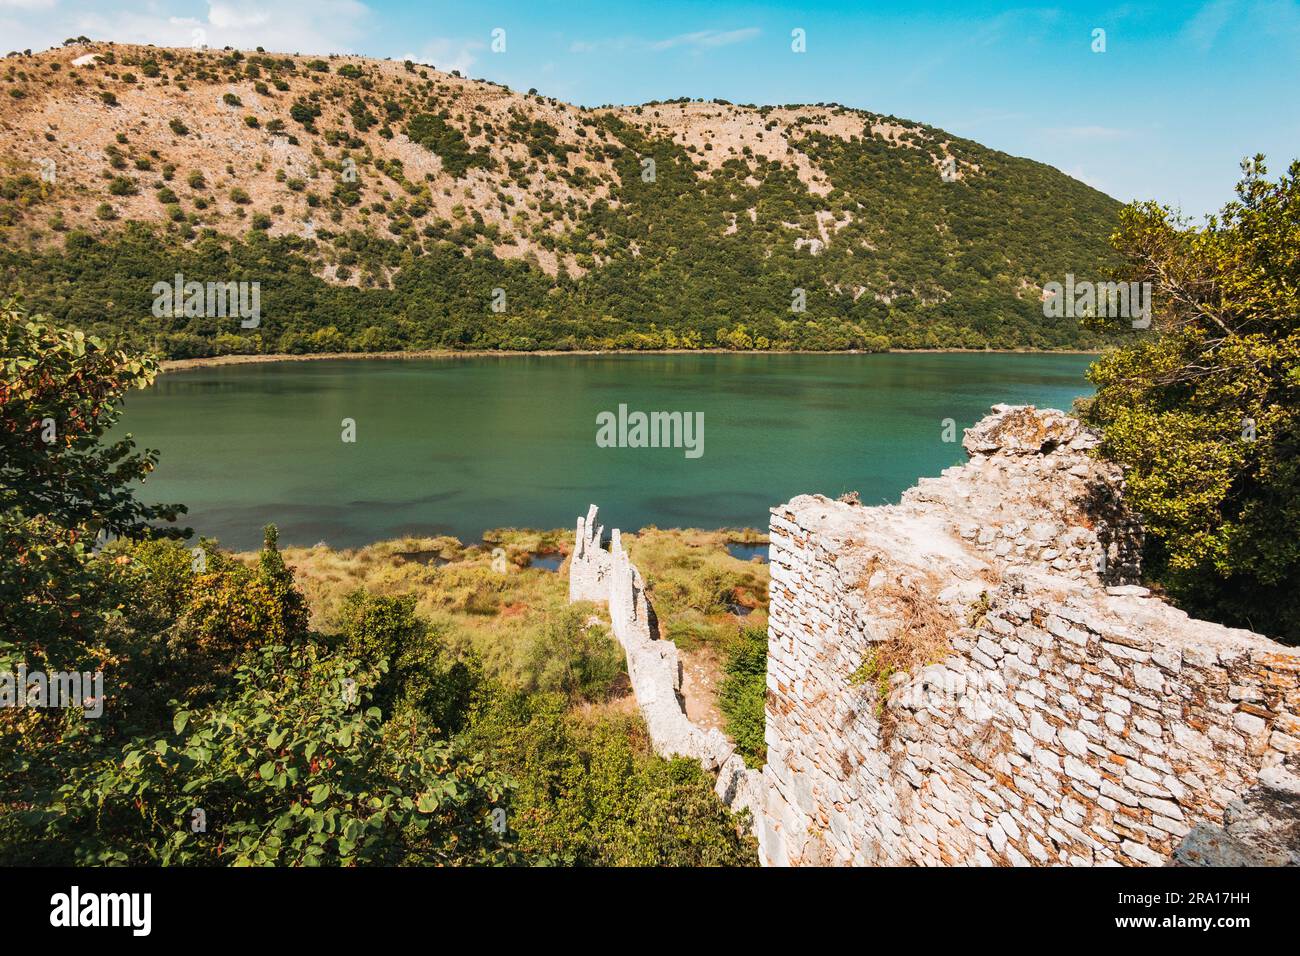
489,602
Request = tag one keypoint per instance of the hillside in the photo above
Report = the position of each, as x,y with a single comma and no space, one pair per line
379,204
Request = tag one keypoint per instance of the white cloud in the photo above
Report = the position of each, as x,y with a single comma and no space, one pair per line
238,16
698,41
1204,28
706,39
448,54
289,26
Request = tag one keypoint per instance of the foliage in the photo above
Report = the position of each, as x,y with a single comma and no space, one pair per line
60,488
592,793
287,770
569,657
436,135
1206,413
423,678
742,695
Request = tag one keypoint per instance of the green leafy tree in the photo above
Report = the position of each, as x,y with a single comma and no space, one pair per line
61,488
1206,412
290,769
571,658
421,679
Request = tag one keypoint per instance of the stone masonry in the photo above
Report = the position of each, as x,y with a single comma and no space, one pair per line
610,578
1061,715
972,677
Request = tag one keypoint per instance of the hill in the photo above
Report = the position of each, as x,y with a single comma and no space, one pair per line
387,205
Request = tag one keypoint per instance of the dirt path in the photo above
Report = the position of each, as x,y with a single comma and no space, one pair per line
701,675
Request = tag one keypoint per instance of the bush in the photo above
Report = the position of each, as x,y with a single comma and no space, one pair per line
421,677
291,769
568,657
592,793
742,695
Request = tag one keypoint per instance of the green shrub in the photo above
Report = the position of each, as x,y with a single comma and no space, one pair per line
591,792
435,134
742,695
291,769
569,657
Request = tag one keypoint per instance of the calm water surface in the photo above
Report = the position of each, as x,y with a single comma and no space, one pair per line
458,446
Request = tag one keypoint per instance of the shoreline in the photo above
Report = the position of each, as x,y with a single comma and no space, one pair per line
214,361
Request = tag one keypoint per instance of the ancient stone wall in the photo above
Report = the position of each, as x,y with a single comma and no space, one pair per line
610,578
967,677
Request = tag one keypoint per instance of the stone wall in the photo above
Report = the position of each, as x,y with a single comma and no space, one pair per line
1049,711
610,578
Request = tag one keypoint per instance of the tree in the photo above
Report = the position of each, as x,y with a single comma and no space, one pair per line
290,769
1206,412
60,488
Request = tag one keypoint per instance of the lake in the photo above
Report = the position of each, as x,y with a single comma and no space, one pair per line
458,446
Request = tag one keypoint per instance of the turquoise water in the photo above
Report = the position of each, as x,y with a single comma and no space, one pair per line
458,446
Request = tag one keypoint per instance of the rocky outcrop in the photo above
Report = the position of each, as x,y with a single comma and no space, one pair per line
973,677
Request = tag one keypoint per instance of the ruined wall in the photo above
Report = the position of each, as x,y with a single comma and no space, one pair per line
610,578
1043,710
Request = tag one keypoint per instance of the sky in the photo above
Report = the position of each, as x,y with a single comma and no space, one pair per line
1179,95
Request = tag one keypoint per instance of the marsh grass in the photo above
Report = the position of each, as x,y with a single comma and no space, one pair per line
695,584
518,623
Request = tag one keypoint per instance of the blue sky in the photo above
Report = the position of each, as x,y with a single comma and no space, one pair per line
1182,92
